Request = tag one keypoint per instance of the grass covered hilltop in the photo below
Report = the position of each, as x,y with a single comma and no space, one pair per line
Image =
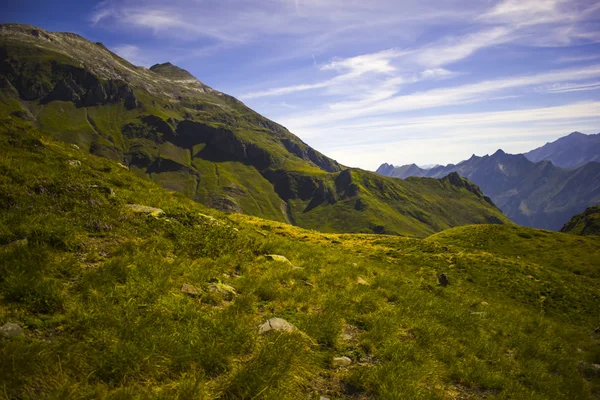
112,287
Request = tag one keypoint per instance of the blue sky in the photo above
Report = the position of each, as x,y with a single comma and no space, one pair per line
367,82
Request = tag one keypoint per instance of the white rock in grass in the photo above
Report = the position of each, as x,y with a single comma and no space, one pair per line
74,163
276,324
361,281
138,208
10,329
278,258
341,361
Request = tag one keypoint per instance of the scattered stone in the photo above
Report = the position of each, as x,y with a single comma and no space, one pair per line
10,329
20,242
138,208
323,398
222,288
349,333
191,290
276,324
341,361
104,189
589,370
484,303
361,281
123,166
278,258
74,147
443,280
74,163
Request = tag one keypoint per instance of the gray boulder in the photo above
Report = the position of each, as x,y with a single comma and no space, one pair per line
10,329
276,324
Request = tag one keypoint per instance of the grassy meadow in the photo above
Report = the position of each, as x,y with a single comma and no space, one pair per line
96,285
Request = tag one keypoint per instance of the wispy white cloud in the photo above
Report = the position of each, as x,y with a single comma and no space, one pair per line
448,138
462,94
569,87
575,59
373,68
131,53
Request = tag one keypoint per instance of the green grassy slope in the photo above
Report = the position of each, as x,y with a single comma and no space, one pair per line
586,223
172,129
96,288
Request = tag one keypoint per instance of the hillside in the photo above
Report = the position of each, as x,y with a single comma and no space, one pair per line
570,151
586,223
538,195
168,127
110,298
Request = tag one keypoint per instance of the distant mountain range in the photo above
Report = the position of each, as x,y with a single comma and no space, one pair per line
571,151
530,191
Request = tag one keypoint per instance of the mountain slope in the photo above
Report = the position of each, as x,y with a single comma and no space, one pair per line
167,126
112,299
571,151
586,223
538,195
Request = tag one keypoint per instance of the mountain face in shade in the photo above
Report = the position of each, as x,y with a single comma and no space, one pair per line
167,126
571,151
539,195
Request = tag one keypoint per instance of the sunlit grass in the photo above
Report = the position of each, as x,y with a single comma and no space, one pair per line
97,289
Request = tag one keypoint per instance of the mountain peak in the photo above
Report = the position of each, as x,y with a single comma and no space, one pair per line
171,71
499,152
576,134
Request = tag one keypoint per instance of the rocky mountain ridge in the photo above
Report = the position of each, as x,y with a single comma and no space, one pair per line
167,126
539,195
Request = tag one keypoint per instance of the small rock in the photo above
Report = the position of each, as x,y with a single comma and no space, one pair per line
191,290
104,189
341,361
323,398
20,242
74,163
123,166
443,280
208,217
138,208
10,329
597,330
222,288
484,303
74,147
361,281
589,370
275,257
276,324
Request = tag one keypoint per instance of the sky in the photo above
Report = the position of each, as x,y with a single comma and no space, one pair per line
368,82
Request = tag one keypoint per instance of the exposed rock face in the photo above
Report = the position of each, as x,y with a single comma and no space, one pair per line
586,223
